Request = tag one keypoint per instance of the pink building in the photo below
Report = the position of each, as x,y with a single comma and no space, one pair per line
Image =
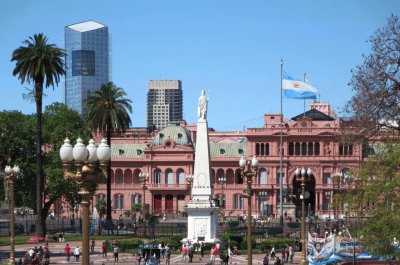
311,140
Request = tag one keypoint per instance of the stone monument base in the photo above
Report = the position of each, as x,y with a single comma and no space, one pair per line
289,210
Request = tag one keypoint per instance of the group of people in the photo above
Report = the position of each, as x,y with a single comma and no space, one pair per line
287,255
35,256
68,252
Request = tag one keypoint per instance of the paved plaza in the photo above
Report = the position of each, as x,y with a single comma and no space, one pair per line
57,255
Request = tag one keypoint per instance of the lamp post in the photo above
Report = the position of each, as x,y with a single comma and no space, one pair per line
301,176
144,178
87,160
222,181
328,194
249,169
11,174
189,180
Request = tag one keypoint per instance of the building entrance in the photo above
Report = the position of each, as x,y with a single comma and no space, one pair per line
309,196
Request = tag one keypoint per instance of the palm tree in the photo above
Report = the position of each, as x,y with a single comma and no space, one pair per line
42,64
107,111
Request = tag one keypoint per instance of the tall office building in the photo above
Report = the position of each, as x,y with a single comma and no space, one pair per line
164,103
88,63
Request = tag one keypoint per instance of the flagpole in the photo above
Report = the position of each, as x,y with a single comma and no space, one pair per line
280,155
304,99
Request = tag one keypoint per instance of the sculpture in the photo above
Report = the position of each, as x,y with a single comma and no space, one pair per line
202,108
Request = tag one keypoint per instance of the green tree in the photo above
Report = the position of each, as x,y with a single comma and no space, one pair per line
376,82
107,111
376,200
43,64
17,147
59,122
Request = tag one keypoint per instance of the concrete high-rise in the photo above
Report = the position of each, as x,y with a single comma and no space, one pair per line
164,103
88,63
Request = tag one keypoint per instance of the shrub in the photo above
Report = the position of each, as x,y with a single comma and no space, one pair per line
278,242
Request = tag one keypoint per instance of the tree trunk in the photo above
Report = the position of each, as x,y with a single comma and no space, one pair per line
40,222
108,213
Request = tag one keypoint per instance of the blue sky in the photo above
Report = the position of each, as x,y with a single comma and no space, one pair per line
230,48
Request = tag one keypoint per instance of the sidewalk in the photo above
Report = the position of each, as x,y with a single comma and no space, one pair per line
57,255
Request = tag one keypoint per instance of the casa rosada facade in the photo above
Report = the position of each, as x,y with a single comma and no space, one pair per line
310,140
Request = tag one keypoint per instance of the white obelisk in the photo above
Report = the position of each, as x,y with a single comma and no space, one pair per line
202,212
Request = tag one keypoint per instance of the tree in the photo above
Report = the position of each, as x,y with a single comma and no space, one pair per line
376,200
107,111
17,147
59,122
376,82
42,64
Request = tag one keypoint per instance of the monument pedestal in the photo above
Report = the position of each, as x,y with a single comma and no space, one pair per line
289,210
202,222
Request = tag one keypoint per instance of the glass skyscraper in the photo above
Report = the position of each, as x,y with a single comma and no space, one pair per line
88,63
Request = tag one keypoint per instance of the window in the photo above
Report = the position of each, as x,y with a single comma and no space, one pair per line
221,151
83,63
169,176
262,176
157,176
277,178
238,201
327,179
181,176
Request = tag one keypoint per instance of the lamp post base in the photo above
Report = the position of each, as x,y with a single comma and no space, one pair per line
303,262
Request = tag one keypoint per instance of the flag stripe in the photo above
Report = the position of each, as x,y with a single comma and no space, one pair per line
297,89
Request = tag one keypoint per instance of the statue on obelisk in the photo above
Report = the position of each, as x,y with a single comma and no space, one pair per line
202,212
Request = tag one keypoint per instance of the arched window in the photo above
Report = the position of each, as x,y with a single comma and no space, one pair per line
239,177
262,149
119,176
257,149
181,177
267,149
128,176
303,149
262,176
116,201
316,148
220,174
157,176
297,148
310,149
291,149
169,176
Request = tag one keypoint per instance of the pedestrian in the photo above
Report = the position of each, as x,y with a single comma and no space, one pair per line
273,253
184,252
202,248
77,253
212,254
291,254
104,250
67,251
92,244
138,258
277,261
283,252
116,251
167,255
46,256
190,253
266,259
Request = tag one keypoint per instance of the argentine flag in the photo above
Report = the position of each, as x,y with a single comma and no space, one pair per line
297,89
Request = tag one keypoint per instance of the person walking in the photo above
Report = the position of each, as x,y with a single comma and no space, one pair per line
184,253
77,253
92,245
116,251
273,253
67,251
104,250
266,259
167,255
